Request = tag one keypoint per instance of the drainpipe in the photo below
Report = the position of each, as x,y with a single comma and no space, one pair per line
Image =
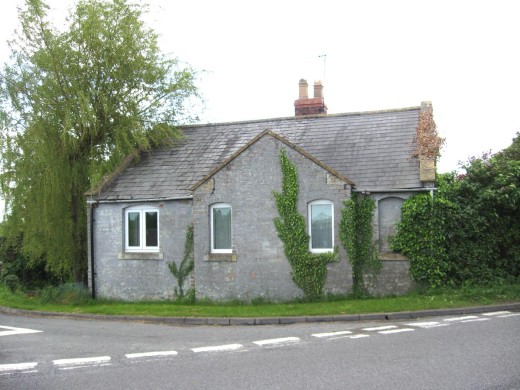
92,269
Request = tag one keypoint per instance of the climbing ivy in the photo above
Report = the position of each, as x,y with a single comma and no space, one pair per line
186,266
355,232
309,269
421,236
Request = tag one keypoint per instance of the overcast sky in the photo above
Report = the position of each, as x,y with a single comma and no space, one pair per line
464,56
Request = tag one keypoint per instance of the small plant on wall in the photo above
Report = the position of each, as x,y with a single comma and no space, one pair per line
355,232
186,266
309,269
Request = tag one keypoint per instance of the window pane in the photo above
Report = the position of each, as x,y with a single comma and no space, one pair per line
133,229
222,228
151,228
321,226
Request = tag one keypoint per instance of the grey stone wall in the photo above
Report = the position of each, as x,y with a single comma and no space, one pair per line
394,277
137,276
258,266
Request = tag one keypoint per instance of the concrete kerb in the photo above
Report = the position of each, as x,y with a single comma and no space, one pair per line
267,321
234,321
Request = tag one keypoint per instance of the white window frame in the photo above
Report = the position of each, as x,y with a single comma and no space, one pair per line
309,215
211,223
142,210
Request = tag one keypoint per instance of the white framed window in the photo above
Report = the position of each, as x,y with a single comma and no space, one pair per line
142,229
220,214
321,226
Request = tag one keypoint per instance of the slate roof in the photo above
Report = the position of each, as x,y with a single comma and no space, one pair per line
372,149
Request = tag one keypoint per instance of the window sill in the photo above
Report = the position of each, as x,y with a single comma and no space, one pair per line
320,251
221,257
140,256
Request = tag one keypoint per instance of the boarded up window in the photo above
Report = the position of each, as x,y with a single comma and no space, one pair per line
389,212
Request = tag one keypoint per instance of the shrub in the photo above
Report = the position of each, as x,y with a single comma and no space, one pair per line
66,294
12,282
468,233
31,273
421,236
185,267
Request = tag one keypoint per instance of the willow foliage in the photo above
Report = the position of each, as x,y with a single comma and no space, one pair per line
73,103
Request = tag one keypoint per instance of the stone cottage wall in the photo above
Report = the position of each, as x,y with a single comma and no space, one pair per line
137,276
258,267
394,277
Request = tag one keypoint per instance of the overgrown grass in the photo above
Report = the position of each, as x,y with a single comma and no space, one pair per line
72,300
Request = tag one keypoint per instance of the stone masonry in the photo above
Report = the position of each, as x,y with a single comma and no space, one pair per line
258,266
137,276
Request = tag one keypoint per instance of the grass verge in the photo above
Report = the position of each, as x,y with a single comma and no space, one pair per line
425,300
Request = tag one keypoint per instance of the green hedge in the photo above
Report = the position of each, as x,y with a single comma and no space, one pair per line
469,232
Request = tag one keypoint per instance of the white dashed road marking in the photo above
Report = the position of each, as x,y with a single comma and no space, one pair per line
10,368
218,348
12,330
476,320
283,340
509,315
460,318
427,325
496,313
69,364
332,334
150,354
378,328
392,331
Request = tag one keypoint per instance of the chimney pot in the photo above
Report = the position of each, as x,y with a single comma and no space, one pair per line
304,90
313,106
318,89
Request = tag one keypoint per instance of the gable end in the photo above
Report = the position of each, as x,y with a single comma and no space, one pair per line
270,133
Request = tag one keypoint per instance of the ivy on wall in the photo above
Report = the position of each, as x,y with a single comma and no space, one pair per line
421,236
309,269
186,266
356,232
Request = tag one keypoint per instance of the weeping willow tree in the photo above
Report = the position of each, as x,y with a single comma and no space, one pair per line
73,103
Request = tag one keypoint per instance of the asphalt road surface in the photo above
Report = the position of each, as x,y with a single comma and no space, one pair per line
480,351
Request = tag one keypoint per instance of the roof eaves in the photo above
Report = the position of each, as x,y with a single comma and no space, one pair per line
139,200
109,179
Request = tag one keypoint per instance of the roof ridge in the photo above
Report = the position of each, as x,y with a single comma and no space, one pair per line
288,118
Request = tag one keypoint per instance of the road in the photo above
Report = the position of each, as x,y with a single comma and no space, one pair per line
480,351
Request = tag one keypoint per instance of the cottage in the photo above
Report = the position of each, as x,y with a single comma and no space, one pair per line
221,179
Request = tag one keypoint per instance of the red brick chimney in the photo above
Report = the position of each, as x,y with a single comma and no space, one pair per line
310,106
